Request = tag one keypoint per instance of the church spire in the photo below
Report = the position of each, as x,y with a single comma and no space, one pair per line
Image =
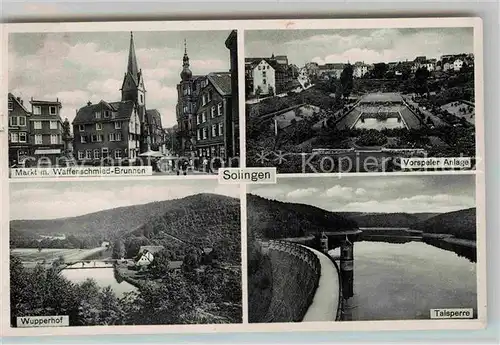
132,68
186,73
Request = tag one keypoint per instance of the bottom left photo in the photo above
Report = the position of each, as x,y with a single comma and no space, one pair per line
128,252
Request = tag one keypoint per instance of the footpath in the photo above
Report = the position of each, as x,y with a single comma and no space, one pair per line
326,300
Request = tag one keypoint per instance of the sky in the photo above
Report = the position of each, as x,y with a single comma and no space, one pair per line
368,45
78,67
410,194
50,200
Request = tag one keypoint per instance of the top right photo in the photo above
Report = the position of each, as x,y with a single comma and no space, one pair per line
361,100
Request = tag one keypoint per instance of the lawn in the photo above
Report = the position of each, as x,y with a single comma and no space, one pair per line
467,110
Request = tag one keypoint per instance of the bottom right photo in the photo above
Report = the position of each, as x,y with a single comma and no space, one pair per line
362,248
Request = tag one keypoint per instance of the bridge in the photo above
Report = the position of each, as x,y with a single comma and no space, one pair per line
90,264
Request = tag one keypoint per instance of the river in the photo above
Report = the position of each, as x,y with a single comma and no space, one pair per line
394,281
102,276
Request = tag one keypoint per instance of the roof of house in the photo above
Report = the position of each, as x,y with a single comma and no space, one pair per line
85,114
150,249
153,117
36,102
18,101
332,66
253,62
221,81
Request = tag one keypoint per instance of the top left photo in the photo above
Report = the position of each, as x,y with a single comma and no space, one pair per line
122,103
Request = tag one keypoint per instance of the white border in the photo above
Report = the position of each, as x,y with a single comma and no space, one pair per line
240,26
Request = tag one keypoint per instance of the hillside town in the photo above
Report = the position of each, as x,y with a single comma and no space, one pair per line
269,76
125,131
336,116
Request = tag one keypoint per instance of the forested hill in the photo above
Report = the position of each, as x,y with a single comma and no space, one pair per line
276,219
387,220
461,224
202,220
115,222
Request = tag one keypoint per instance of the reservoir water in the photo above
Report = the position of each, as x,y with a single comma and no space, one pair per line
102,276
394,281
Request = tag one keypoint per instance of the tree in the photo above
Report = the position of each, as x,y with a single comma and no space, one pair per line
421,76
191,260
160,265
118,249
258,91
379,70
271,91
346,80
111,312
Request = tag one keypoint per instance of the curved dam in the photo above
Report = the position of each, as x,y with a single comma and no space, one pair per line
305,284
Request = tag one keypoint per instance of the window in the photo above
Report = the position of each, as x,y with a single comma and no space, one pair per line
37,110
221,128
23,137
97,154
214,131
11,105
22,121
219,109
212,111
107,113
54,139
203,117
105,152
115,136
142,98
264,74
52,110
81,128
198,119
204,133
264,81
81,155
204,99
13,121
53,124
97,114
14,137
38,139
260,68
98,126
210,95
118,137
88,154
118,154
198,134
118,125
83,139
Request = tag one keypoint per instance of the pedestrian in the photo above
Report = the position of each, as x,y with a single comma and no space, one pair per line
205,164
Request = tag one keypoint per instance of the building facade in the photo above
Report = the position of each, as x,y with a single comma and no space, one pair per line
232,122
19,139
261,76
45,131
214,108
114,131
107,132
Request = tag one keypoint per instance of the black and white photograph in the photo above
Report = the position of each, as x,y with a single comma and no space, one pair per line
163,99
362,249
125,253
359,100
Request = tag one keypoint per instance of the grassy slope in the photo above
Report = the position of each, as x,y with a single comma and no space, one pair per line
461,224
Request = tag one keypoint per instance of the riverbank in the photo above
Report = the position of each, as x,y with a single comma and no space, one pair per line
122,273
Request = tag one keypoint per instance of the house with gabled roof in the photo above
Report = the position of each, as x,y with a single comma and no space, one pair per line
117,130
146,255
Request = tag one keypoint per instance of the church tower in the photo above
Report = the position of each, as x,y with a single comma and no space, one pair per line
133,83
186,106
133,90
